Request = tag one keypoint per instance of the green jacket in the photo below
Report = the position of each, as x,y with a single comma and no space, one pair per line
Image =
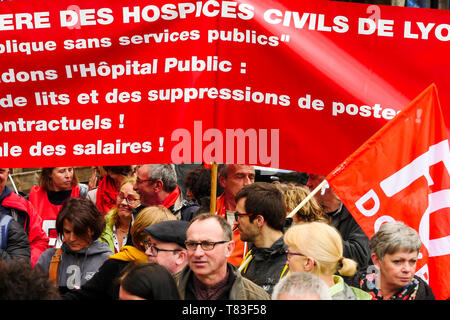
107,235
242,288
342,291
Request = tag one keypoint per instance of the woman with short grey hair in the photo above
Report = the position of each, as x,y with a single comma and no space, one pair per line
392,237
394,250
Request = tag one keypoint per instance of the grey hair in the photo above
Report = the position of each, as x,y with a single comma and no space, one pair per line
393,237
166,173
300,284
226,228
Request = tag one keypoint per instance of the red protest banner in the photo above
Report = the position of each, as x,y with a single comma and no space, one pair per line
402,173
288,84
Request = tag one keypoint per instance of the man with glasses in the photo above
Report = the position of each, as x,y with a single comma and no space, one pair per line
261,213
208,275
166,246
157,186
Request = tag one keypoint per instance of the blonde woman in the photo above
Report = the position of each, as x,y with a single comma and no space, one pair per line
119,219
104,285
316,247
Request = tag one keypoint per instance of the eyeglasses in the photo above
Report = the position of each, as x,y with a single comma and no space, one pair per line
205,245
238,214
130,199
154,250
139,181
288,253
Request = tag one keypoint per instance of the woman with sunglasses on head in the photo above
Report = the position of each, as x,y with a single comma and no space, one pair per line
120,218
316,247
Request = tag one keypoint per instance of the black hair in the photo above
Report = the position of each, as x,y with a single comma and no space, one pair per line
264,199
149,281
19,281
198,180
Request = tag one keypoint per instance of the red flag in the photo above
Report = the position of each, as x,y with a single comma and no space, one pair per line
402,173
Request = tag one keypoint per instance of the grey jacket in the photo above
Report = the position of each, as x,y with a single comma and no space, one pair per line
76,268
241,289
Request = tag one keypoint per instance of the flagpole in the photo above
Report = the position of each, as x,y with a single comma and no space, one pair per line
212,208
301,204
13,184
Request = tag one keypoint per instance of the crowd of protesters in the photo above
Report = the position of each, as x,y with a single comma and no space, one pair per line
130,234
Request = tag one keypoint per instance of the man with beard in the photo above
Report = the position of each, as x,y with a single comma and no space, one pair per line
260,213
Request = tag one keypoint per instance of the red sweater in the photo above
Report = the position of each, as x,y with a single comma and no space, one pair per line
48,211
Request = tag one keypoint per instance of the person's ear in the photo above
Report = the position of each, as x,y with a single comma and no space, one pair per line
158,185
260,221
229,248
223,181
376,261
182,257
309,264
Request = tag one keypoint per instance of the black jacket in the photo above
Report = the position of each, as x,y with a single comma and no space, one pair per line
187,211
356,243
17,245
267,265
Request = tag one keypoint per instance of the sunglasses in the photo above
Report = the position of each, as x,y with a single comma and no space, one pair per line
238,214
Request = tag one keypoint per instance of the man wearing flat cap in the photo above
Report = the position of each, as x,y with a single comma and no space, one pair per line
167,246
